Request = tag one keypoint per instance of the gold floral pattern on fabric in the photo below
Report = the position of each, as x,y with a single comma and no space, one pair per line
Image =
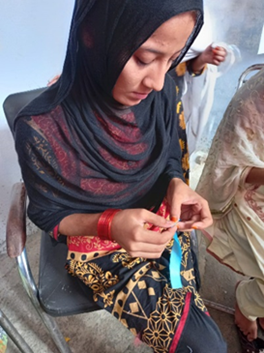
185,242
181,69
184,260
128,296
141,298
98,280
127,260
178,77
169,245
182,121
199,301
185,161
182,144
188,275
187,272
163,321
86,244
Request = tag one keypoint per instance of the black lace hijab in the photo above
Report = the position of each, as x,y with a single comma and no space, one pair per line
79,150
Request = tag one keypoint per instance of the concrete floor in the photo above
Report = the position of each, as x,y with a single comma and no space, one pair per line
237,22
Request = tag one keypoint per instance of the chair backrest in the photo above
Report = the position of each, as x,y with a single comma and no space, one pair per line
17,101
248,72
59,293
16,219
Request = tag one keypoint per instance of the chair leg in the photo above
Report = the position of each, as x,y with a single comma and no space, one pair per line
31,289
13,334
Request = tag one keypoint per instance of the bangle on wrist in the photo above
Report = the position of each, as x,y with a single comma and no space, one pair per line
56,233
105,222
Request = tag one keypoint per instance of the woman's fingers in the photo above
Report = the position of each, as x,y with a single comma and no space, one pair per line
148,237
149,244
194,214
199,219
129,231
149,249
146,255
158,221
205,221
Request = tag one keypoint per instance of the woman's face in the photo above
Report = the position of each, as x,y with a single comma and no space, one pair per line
145,70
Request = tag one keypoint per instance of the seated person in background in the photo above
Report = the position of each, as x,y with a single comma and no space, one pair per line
101,161
233,183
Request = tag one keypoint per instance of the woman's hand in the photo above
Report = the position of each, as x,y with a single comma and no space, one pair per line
129,232
186,205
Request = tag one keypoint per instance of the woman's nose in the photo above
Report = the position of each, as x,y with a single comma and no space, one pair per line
155,79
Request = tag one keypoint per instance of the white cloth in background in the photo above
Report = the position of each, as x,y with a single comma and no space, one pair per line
197,103
236,237
198,94
204,38
261,43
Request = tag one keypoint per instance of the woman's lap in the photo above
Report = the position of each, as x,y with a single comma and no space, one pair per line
138,293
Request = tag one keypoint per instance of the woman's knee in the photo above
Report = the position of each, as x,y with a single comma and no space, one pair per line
197,344
201,334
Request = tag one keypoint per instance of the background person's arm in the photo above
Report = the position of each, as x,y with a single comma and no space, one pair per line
210,55
255,176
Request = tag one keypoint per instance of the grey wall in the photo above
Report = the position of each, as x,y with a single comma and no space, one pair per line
33,38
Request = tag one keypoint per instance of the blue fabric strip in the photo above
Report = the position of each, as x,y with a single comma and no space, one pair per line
175,263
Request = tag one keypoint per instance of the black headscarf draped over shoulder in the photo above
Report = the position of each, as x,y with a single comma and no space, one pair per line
79,150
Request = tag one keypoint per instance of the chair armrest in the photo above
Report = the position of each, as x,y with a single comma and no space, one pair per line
243,77
16,222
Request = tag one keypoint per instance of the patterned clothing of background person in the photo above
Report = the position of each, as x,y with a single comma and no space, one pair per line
232,182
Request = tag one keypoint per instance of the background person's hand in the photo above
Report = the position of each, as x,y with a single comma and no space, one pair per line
214,56
129,231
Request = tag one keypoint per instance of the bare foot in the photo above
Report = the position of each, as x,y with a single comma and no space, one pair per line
261,322
248,327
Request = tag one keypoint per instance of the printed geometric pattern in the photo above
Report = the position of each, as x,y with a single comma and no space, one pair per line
138,293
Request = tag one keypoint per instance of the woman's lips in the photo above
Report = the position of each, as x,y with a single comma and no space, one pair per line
140,95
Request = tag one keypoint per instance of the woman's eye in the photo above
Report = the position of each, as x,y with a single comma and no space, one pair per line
141,62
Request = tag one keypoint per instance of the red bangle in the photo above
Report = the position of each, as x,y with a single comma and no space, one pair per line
105,222
56,232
